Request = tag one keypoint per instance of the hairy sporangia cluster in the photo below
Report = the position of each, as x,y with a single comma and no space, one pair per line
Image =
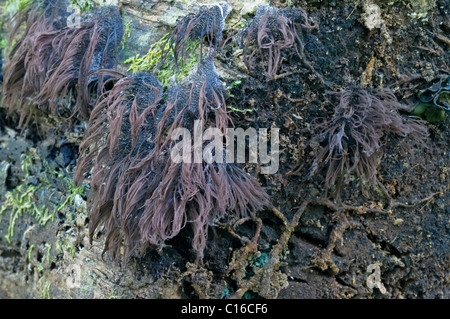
52,66
141,195
206,27
270,34
353,137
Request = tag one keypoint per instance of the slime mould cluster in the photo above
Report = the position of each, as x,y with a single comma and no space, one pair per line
271,36
352,139
140,195
52,66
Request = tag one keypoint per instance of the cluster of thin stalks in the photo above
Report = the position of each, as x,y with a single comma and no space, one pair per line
272,32
140,194
51,67
353,139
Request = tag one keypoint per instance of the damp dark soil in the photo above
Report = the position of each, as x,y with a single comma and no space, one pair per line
309,244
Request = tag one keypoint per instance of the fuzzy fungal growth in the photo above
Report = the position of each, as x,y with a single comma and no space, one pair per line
52,67
21,80
272,35
112,148
352,139
204,27
140,193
